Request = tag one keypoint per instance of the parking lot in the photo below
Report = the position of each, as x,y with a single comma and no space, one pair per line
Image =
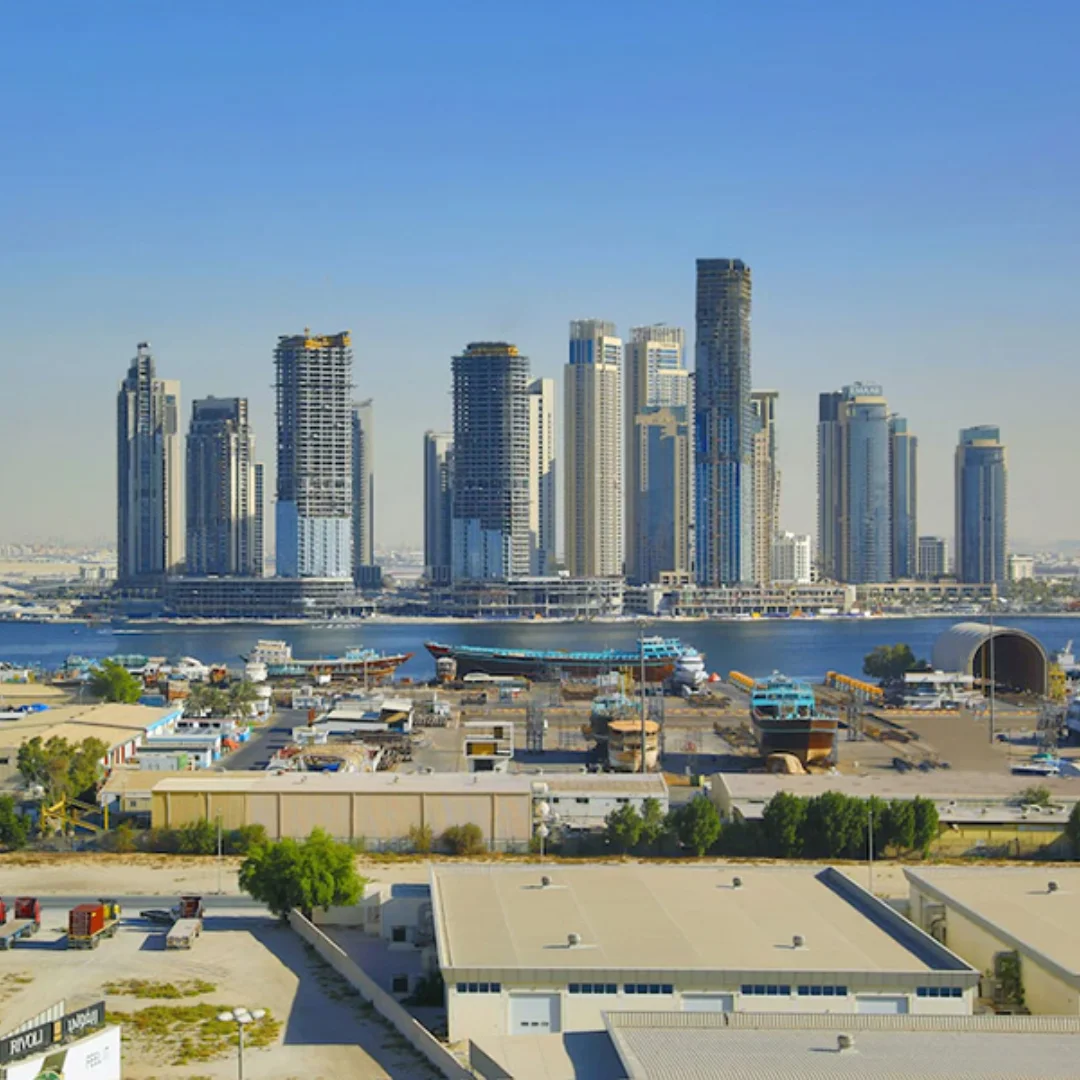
243,958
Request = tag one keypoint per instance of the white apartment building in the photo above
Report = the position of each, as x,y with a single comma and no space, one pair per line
1021,567
791,559
594,451
541,477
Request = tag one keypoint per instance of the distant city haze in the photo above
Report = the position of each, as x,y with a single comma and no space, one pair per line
903,187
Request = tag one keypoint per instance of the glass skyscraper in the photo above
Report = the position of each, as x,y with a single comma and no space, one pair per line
903,497
723,424
981,507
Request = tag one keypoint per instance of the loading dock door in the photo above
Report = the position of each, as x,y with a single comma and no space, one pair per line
534,1014
708,1002
881,1004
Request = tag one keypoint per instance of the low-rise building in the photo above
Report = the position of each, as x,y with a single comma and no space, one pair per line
979,813
584,800
555,597
538,950
694,601
1016,925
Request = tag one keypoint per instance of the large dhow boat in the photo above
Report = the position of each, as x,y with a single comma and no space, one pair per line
787,719
656,656
366,664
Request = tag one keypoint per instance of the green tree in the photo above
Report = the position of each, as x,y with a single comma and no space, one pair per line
622,828
197,838
245,839
899,824
698,825
111,681
465,839
242,696
319,872
782,824
891,662
834,826
421,839
1038,796
926,823
14,828
206,700
1072,829
60,767
652,823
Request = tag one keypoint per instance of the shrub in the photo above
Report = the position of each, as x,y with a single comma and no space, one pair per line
464,840
14,829
241,841
121,840
197,838
421,839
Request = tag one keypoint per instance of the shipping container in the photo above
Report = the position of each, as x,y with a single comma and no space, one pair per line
28,907
86,920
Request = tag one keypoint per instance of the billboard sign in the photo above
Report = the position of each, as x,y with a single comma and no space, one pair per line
96,1057
32,1040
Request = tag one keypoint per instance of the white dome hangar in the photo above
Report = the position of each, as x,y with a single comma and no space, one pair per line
1020,661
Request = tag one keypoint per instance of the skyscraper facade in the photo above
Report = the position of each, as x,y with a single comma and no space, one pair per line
724,523
314,512
933,557
542,476
150,495
438,484
903,499
221,503
829,476
854,506
981,507
593,434
791,562
766,483
363,463
657,466
490,501
258,536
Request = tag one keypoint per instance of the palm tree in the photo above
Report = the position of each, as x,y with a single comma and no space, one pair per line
242,696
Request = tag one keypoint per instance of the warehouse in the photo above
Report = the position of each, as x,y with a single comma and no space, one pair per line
121,727
532,950
1016,924
379,808
980,813
1018,662
584,800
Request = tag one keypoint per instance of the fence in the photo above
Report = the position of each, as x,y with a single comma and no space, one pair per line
410,1029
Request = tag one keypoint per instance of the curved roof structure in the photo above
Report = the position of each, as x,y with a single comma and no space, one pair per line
1019,660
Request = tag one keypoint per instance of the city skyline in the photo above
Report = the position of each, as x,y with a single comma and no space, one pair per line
881,225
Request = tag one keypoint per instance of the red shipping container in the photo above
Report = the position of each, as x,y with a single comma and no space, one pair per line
3,912
86,920
27,907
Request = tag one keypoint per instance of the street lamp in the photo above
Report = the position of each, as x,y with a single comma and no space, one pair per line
240,1017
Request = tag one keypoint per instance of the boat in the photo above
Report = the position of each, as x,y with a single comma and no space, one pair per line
1066,660
356,663
658,656
786,719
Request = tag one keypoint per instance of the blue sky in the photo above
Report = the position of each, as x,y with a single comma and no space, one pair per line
901,178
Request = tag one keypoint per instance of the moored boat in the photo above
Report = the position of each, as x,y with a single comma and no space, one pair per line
367,664
657,656
786,719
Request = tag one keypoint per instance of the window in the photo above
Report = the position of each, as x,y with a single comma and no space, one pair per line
819,991
400,984
940,991
769,989
593,988
583,801
399,933
648,988
479,988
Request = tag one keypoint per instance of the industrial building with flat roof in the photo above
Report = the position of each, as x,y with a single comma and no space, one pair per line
121,727
539,950
1018,924
379,807
981,813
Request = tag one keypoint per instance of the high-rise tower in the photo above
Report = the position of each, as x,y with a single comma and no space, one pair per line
829,478
490,530
903,499
766,483
221,502
724,424
438,484
593,433
315,455
363,462
150,495
981,507
541,476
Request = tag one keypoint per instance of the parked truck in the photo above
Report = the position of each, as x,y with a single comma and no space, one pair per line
183,933
89,923
25,921
189,907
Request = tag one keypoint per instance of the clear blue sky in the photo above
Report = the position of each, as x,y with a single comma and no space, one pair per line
902,179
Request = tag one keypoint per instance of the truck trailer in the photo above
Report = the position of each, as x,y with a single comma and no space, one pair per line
89,923
25,921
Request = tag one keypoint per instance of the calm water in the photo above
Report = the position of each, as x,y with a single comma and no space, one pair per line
798,647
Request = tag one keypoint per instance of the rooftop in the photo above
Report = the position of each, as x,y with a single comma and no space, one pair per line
687,1046
636,917
641,784
347,783
1016,904
113,724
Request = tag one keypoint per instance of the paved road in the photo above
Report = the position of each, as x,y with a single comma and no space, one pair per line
132,905
255,753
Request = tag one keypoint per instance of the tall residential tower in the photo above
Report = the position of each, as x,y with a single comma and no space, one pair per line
766,483
593,435
223,534
438,484
363,464
150,495
490,526
314,455
981,507
542,476
723,423
903,499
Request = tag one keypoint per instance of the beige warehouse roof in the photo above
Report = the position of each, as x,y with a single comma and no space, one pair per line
1016,905
300,783
114,724
638,784
641,917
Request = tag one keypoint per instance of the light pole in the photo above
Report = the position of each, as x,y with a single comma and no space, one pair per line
240,1017
870,844
219,847
641,654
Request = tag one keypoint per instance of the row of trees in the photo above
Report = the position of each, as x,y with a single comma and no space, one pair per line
890,663
205,699
694,827
60,767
